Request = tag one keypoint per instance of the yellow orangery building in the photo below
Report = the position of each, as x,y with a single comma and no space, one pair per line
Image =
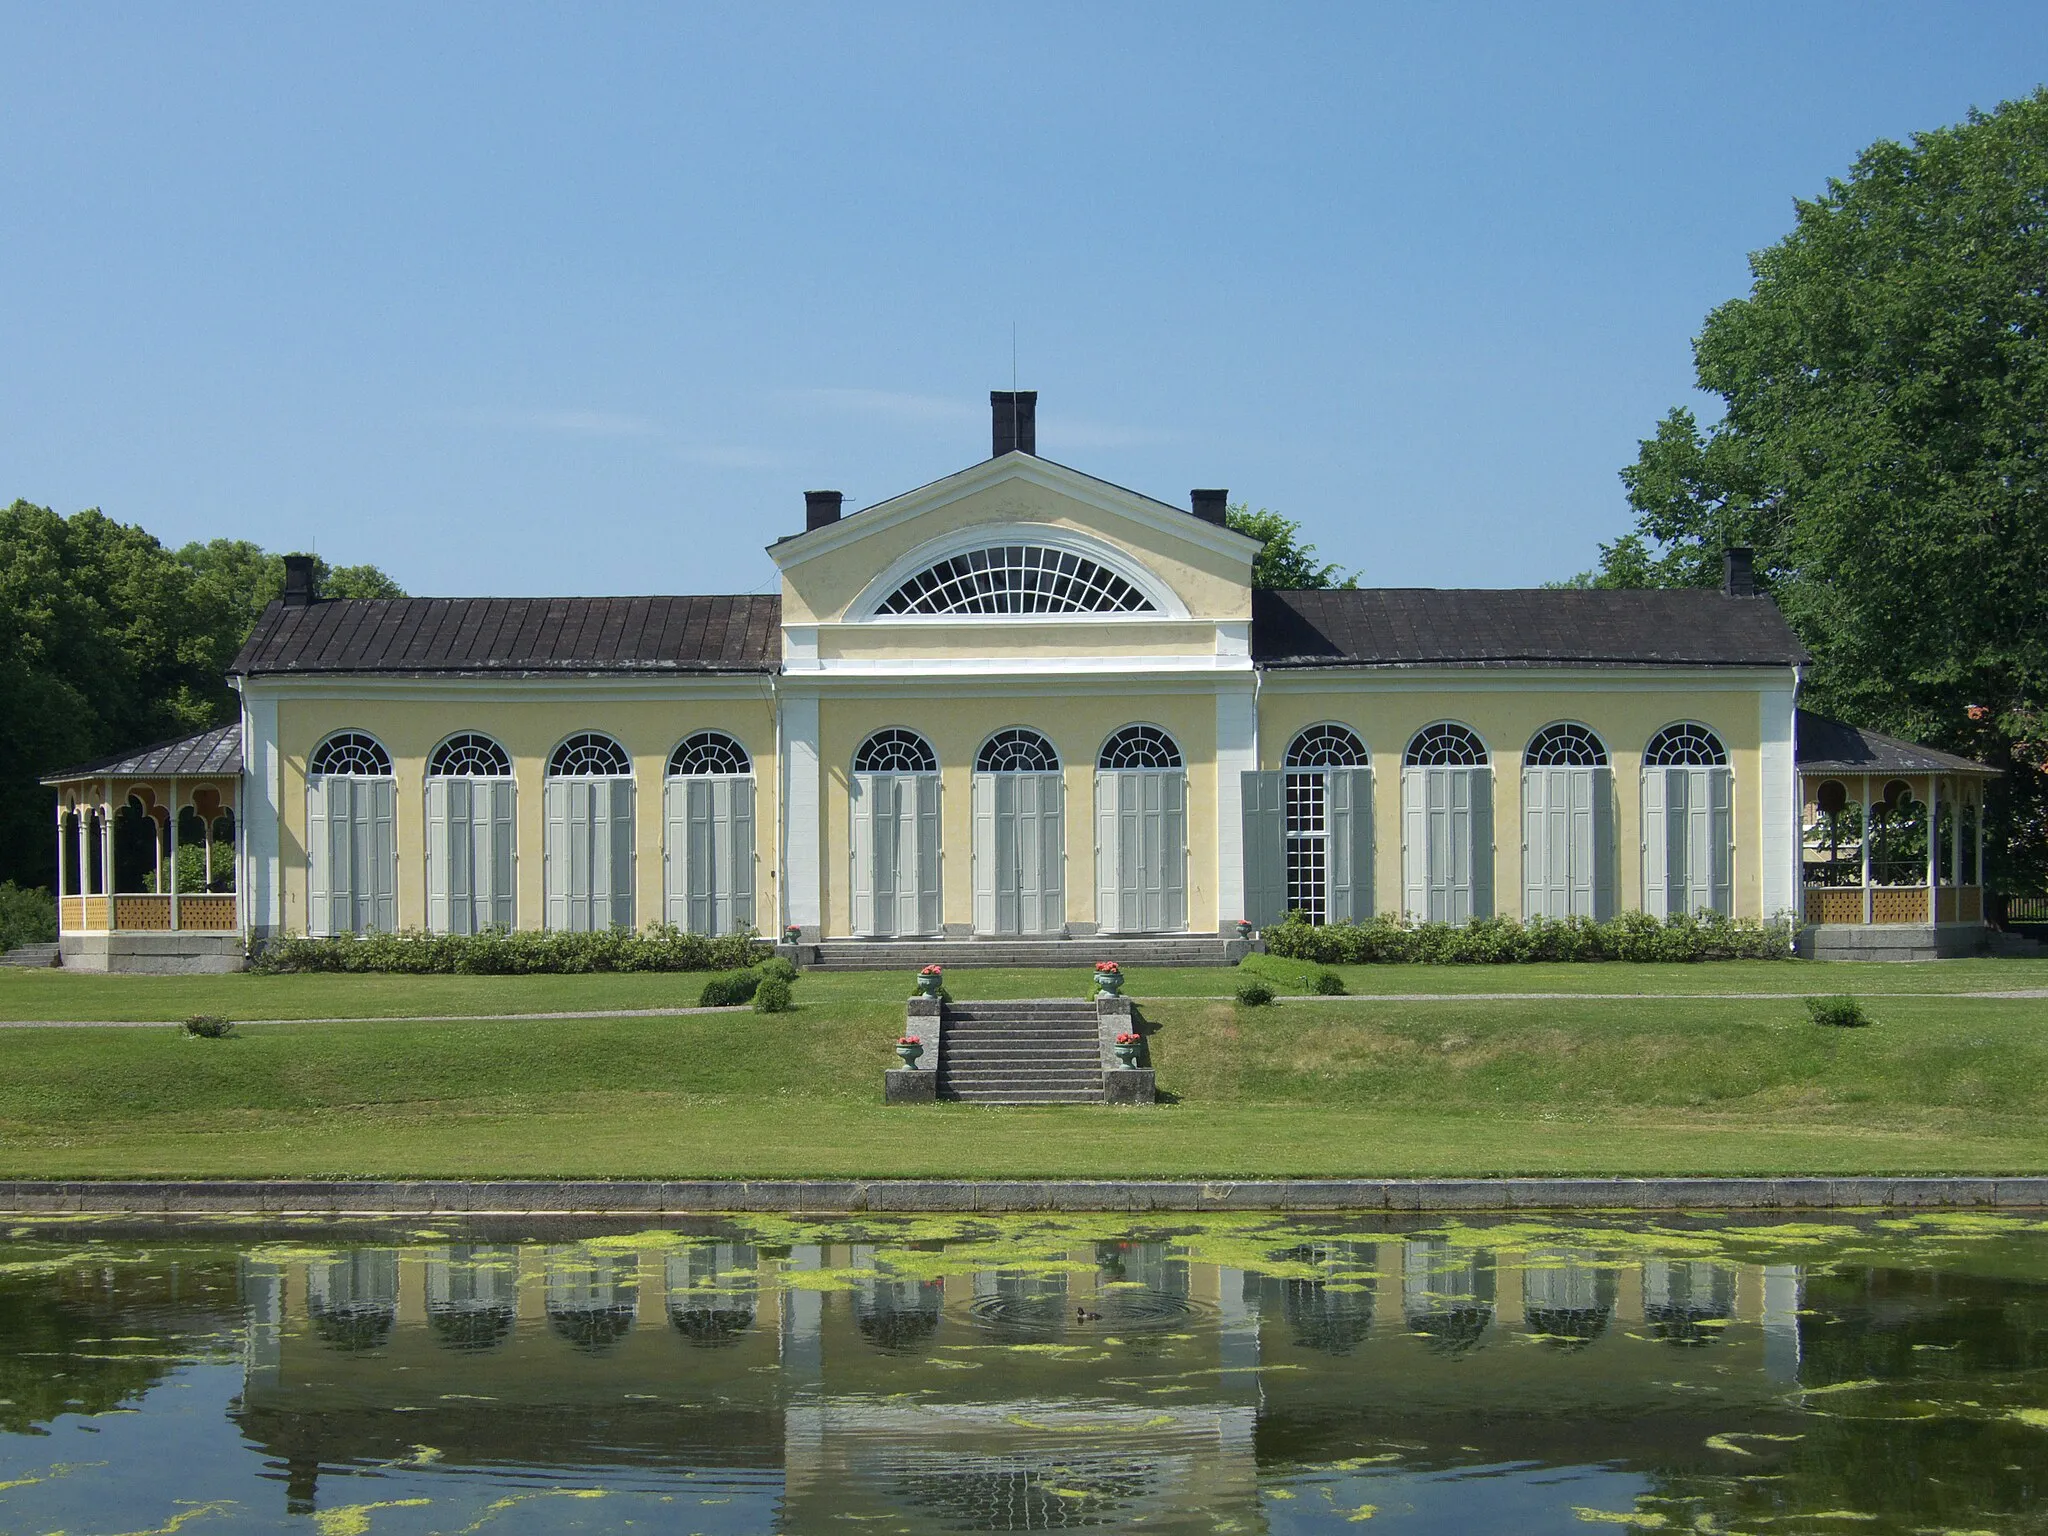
1017,704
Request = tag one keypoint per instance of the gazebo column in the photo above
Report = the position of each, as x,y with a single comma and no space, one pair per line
171,836
1866,849
1933,851
62,882
107,848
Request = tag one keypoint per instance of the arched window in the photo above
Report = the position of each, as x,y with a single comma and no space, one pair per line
1328,832
708,752
1017,751
470,832
894,751
708,816
1685,745
894,806
351,752
1565,746
1017,578
1445,745
1568,825
1447,825
470,756
1326,746
590,849
351,837
590,755
1139,746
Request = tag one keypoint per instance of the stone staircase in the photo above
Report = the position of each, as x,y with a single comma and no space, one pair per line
37,957
914,954
1040,1052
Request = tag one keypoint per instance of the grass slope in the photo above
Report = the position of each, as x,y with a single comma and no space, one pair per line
1453,1086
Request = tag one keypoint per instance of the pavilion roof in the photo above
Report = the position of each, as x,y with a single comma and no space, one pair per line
1830,746
208,754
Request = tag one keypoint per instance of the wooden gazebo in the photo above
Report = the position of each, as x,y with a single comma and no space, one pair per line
112,916
1891,845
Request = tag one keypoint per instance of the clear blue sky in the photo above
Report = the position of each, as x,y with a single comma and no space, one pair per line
513,299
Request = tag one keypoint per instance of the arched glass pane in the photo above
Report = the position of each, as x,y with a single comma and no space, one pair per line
351,752
1326,746
1017,751
470,756
590,755
1445,745
1685,745
1017,578
709,752
1565,746
1139,746
894,751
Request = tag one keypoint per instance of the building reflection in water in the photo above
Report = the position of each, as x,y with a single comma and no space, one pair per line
1117,1381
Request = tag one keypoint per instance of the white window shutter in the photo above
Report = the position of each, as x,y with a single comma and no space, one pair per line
930,910
862,807
1108,879
1600,844
1042,852
740,842
319,860
983,797
675,853
503,795
1415,841
1173,850
1452,863
1537,890
1350,845
383,819
1721,836
1699,838
1656,845
1264,797
558,854
1479,789
440,851
620,914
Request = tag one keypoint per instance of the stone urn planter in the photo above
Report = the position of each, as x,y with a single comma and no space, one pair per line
1126,1047
909,1048
929,980
1244,929
1109,980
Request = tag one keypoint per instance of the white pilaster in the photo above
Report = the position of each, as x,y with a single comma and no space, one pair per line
259,810
1778,851
1237,753
803,900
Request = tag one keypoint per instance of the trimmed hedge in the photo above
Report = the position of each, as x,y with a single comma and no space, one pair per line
498,952
730,990
1506,940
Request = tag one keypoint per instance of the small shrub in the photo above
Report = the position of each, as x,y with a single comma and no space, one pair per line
776,967
209,1026
1254,993
1329,984
1633,936
28,915
730,990
519,952
1837,1012
772,996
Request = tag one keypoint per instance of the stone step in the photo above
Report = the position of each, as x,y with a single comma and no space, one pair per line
912,955
32,956
1049,1097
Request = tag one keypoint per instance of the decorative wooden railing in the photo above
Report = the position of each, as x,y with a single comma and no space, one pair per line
1893,904
140,912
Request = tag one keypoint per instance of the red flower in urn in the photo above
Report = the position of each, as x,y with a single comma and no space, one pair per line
1977,711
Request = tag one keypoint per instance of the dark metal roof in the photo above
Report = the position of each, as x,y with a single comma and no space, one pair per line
218,751
513,635
1829,746
1428,626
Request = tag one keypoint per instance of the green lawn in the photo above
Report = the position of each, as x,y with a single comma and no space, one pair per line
1658,1084
73,995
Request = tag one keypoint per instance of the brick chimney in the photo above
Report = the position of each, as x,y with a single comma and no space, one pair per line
1738,571
1209,506
821,508
1013,413
298,581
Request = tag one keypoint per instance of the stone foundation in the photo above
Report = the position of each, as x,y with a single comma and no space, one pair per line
154,954
1891,941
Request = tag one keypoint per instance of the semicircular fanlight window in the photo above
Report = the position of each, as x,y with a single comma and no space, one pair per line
1685,745
1139,746
590,755
894,751
1565,746
1017,751
1017,578
708,752
1446,745
1326,746
351,752
470,756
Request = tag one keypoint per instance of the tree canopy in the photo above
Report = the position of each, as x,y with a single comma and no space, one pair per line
109,641
1884,390
1285,561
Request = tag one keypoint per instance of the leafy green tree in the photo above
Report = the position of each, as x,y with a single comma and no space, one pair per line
1285,561
110,641
1885,407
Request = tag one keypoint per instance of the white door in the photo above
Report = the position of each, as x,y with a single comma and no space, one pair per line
708,853
1567,821
1141,850
352,855
1447,843
1020,840
895,855
469,854
1688,840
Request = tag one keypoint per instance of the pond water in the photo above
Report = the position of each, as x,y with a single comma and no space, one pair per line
1843,1374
